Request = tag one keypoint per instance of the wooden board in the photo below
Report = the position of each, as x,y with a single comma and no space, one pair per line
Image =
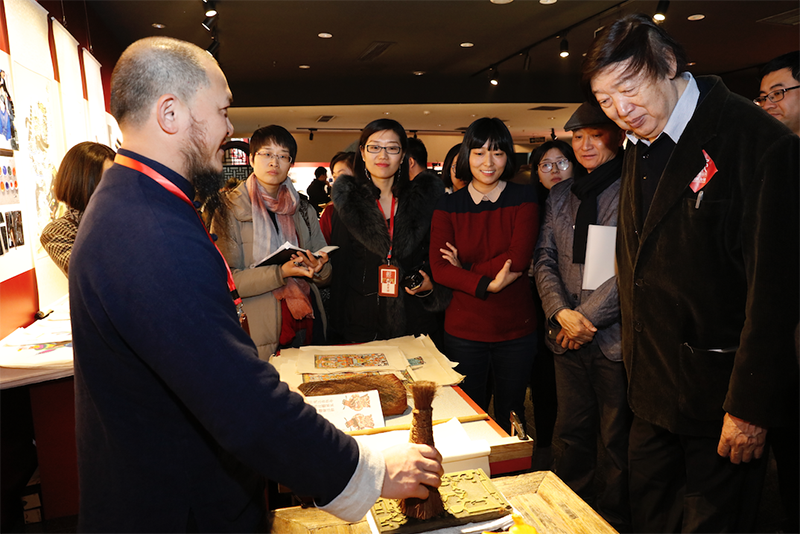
541,497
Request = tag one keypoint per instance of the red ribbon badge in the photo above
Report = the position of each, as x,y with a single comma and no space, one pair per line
704,176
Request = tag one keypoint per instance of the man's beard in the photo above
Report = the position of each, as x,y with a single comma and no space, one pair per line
206,179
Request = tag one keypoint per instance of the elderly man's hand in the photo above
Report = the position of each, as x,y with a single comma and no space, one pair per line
740,440
408,467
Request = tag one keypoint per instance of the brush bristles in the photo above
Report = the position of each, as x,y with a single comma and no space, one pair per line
423,393
423,509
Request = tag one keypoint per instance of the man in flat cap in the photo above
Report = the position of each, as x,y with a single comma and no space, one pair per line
707,256
583,319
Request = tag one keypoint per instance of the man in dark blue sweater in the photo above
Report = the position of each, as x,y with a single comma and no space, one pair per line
178,421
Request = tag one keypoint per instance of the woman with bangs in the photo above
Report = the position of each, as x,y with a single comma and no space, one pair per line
383,287
482,240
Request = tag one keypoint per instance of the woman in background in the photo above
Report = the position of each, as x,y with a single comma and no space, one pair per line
482,240
451,182
552,162
282,302
383,287
341,163
77,177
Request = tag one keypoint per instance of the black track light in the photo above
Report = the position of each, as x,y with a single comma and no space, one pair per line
211,10
661,11
494,76
213,48
209,22
564,48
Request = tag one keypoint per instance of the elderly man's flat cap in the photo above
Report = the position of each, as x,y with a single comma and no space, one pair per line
588,115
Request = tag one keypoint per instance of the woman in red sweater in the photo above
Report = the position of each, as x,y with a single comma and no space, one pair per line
482,240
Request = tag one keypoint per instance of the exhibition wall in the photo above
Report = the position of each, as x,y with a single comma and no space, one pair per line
51,98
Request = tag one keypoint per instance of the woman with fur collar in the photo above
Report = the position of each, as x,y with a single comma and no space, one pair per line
281,301
381,219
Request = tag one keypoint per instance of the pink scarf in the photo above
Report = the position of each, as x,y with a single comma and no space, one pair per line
266,239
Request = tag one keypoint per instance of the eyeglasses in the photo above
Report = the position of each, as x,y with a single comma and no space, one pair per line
775,96
562,164
283,159
375,149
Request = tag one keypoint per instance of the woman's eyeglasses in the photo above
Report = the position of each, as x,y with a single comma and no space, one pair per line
280,157
375,149
562,164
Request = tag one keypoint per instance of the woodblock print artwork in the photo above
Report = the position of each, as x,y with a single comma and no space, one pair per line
468,496
9,140
14,226
9,187
356,402
360,422
340,361
41,143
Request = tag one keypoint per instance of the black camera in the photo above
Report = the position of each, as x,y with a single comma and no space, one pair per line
413,280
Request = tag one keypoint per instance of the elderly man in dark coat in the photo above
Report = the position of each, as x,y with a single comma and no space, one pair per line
707,253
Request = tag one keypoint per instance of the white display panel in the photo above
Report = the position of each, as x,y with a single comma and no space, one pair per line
73,104
28,40
98,129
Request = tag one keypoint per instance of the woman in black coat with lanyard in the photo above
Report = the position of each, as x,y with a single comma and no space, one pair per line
382,286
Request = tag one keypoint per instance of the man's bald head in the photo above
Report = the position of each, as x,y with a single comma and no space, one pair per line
152,67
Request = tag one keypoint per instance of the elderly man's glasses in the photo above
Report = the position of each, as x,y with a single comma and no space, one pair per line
281,158
775,96
375,149
562,164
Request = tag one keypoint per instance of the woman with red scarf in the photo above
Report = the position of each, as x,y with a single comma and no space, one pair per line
282,302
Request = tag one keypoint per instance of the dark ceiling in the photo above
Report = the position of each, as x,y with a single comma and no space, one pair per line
263,43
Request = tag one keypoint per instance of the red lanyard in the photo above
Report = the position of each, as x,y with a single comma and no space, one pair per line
131,163
390,224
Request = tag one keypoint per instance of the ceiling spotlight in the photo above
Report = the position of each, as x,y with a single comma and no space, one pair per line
304,67
158,25
213,48
211,11
494,76
209,22
661,11
526,65
419,73
324,35
564,48
547,2
698,16
501,1
467,45
311,133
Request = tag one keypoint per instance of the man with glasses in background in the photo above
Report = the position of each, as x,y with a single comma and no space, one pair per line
779,96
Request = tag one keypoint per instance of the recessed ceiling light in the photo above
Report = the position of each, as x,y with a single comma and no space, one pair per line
501,1
419,72
691,64
385,112
698,16
426,112
551,118
324,35
305,66
547,2
158,25
467,45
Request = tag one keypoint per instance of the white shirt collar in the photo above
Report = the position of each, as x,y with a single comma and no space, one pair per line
680,116
491,196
